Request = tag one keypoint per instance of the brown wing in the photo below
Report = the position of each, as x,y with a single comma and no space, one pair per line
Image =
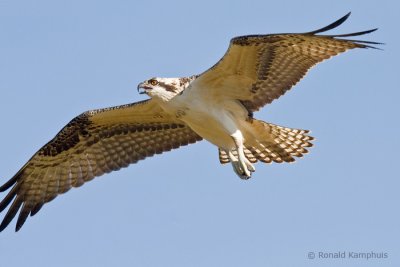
94,143
257,69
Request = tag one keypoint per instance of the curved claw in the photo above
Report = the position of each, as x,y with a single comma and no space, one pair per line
242,173
243,168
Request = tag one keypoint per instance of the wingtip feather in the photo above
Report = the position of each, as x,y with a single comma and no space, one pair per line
13,180
332,25
8,198
9,183
354,33
23,215
11,214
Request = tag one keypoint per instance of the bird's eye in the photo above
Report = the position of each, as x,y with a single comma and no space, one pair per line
153,82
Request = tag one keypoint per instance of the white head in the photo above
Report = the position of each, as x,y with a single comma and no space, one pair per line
164,88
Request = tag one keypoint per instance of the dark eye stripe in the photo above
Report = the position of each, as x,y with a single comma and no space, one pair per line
168,87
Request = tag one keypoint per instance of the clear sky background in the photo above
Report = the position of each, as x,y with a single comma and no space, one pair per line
60,58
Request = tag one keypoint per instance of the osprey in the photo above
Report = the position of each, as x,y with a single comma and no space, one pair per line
217,105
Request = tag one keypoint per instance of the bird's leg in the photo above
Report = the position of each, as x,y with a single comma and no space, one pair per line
241,164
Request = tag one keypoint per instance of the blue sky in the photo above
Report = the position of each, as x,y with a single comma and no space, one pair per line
60,58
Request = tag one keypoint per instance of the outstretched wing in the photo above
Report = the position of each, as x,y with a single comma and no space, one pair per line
94,143
257,69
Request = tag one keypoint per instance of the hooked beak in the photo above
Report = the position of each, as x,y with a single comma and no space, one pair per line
142,88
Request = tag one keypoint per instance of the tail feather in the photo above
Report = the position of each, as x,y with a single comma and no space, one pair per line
273,143
224,158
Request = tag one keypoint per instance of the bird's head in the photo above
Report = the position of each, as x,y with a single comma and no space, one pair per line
163,88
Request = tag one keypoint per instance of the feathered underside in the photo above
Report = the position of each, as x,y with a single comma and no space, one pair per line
94,143
257,69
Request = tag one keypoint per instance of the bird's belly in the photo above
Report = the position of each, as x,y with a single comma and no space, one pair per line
213,132
214,120
215,127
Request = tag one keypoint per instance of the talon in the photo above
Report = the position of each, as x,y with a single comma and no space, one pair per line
245,177
251,168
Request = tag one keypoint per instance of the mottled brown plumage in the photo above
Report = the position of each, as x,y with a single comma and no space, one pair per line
269,65
94,143
279,144
255,70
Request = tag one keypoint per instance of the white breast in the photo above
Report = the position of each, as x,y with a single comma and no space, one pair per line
212,118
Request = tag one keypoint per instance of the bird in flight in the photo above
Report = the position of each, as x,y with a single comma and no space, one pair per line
217,106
